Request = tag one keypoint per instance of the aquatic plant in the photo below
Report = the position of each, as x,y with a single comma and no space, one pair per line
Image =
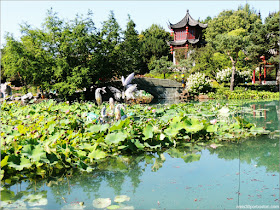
47,139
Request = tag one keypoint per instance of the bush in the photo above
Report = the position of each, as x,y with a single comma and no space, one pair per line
241,76
224,75
198,83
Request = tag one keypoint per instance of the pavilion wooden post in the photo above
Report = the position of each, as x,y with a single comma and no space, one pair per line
264,62
260,74
254,77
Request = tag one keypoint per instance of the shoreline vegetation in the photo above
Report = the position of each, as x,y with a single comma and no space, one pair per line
47,139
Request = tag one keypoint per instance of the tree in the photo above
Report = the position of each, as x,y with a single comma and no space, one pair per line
108,50
230,44
153,44
204,61
229,33
26,60
130,49
162,66
272,36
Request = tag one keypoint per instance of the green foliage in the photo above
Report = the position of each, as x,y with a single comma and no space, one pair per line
49,138
130,49
272,35
180,54
242,93
162,66
229,33
205,61
153,44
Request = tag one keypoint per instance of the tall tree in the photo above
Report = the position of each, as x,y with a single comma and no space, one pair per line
272,36
130,49
229,33
109,48
153,44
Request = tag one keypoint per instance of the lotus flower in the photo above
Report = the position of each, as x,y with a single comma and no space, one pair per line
213,122
67,111
149,108
153,110
224,111
214,146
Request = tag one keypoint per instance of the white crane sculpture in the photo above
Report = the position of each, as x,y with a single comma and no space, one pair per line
128,89
98,96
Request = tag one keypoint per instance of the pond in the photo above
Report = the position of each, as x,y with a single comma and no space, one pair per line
232,175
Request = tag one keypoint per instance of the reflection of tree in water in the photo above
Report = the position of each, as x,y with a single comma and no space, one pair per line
112,171
264,114
261,150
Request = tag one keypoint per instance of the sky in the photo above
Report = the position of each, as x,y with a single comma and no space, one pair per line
143,13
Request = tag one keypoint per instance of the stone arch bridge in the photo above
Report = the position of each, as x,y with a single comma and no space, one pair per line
159,88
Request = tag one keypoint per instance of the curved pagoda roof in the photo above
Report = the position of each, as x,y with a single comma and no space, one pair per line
187,20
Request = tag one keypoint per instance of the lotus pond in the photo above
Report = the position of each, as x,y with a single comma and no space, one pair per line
197,155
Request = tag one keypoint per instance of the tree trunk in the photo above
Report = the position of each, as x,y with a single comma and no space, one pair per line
232,74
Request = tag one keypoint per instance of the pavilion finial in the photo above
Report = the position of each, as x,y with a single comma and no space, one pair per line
188,11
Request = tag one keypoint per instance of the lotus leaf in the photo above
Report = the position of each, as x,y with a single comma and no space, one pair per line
101,203
36,154
119,124
72,206
148,132
97,154
113,207
121,198
127,207
212,128
4,161
115,138
174,129
138,144
24,163
19,204
98,128
7,195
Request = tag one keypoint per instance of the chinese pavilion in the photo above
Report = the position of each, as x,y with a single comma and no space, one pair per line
186,32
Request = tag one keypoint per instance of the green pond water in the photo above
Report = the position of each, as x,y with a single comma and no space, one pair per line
243,174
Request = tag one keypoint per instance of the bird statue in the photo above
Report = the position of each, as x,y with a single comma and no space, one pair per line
119,112
104,115
98,96
112,107
111,103
6,90
129,92
127,81
118,95
128,89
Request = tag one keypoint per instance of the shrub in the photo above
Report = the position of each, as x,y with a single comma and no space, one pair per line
241,76
224,75
198,83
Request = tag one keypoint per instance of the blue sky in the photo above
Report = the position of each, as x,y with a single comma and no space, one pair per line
143,13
